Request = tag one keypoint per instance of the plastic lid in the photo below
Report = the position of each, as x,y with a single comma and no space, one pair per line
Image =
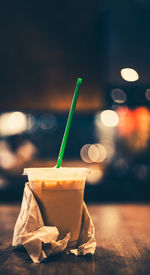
54,173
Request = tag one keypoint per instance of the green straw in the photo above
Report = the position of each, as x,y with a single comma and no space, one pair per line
70,116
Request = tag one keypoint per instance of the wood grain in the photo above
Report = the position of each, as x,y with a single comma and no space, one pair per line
123,244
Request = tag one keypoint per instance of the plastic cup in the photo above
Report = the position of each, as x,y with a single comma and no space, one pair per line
59,194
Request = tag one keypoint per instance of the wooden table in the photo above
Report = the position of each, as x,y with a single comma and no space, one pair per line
123,244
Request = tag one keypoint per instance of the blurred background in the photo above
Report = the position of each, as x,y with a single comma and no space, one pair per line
45,45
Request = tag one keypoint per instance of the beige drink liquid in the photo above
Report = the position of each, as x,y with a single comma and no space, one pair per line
59,193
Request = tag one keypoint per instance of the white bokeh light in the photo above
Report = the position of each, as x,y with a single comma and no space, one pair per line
84,153
129,74
12,123
7,160
109,118
94,176
97,152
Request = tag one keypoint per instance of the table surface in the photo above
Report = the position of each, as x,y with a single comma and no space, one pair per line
123,244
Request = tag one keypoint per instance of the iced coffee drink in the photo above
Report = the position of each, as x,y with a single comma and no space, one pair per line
59,194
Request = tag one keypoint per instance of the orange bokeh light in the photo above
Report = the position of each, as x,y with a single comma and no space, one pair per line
134,125
126,124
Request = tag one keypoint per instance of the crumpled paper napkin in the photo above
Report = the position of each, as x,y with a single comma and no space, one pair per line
40,241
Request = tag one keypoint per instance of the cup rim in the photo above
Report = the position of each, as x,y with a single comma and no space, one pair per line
43,172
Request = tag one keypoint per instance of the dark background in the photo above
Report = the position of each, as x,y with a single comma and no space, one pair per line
45,45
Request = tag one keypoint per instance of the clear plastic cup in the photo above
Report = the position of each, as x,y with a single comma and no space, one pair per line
59,193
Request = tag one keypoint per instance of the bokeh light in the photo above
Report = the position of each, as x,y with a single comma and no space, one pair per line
126,122
129,74
97,152
32,124
84,153
26,150
121,166
141,171
109,118
48,122
12,123
118,95
94,176
93,153
7,160
147,94
3,183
